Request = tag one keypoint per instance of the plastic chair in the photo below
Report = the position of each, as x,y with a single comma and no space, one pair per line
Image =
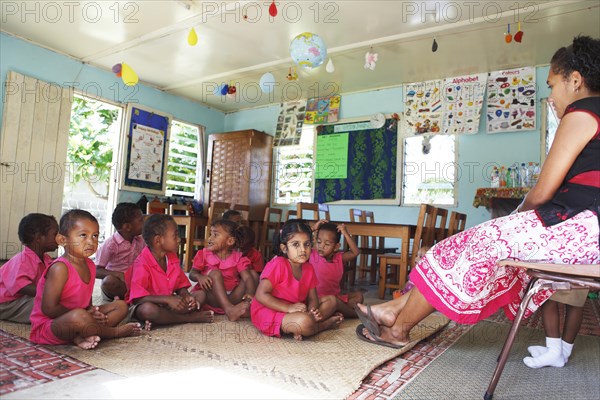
561,277
270,225
457,223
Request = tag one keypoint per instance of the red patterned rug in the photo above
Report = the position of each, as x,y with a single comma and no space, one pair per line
24,364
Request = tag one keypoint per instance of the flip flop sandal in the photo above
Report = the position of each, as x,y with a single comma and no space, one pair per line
368,320
377,341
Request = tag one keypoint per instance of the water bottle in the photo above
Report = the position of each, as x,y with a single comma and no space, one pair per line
509,177
502,177
495,181
530,174
535,175
523,175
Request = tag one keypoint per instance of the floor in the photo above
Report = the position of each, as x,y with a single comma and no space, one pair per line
31,371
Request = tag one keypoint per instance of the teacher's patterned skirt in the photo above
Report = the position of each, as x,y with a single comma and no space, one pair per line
460,278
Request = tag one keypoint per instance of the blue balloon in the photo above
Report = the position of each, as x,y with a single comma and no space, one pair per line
224,89
218,89
267,82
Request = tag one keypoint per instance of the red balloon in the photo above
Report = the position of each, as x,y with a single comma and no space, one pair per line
273,9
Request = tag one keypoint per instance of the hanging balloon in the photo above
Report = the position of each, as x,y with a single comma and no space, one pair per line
116,68
329,67
224,89
267,82
434,46
128,75
308,50
273,9
192,37
218,89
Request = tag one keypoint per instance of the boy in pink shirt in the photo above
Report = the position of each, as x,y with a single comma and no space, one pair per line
157,285
328,263
19,275
120,250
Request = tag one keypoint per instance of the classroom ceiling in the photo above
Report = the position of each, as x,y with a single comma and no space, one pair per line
239,42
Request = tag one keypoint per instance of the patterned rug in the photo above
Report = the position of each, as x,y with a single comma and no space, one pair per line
24,364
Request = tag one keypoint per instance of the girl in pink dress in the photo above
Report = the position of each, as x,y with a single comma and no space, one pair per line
328,263
286,298
63,310
223,273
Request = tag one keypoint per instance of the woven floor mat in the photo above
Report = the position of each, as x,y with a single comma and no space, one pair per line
329,365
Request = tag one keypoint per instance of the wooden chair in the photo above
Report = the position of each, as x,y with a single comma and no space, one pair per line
270,225
181,209
356,215
560,277
244,209
316,209
215,211
424,236
441,232
291,214
157,207
457,223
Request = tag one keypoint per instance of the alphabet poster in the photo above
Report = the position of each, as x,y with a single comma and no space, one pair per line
463,100
289,123
511,100
423,107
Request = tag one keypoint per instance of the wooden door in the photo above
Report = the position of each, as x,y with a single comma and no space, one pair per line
33,153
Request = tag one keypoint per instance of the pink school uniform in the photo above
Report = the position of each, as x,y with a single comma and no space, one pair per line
146,277
118,254
206,261
256,259
329,274
75,294
21,270
285,287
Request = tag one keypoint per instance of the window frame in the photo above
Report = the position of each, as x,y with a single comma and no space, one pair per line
545,127
200,162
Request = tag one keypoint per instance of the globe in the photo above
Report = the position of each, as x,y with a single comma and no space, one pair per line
308,50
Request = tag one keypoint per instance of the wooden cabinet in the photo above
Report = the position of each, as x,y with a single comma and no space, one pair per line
239,169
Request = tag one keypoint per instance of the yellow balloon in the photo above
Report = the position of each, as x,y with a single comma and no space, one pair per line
192,37
128,75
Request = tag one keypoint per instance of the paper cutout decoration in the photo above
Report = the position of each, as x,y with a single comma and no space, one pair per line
463,99
192,37
511,100
423,107
289,123
323,110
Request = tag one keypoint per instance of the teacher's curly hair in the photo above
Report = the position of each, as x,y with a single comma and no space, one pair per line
583,56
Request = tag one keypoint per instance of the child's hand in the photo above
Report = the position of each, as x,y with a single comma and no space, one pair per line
342,229
100,317
316,314
318,224
205,282
297,307
191,303
177,303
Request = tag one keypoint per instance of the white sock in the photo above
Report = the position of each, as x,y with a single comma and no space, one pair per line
551,358
567,348
536,351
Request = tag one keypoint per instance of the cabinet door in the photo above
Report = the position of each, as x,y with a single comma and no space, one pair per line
229,167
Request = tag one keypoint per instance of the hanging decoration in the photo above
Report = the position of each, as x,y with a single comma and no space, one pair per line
292,75
519,35
273,9
507,35
267,82
231,90
371,59
308,50
434,46
116,69
394,122
192,38
329,67
224,89
126,73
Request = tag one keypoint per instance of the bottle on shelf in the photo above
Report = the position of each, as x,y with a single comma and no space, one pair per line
495,181
535,175
509,177
523,175
530,174
502,177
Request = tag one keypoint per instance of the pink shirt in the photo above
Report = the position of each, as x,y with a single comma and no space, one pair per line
256,259
75,294
206,261
23,269
118,254
146,277
329,274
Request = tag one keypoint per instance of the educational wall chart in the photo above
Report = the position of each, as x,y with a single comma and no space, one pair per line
323,110
511,100
463,100
146,154
289,123
423,107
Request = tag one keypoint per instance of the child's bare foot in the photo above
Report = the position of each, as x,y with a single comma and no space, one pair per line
130,329
237,311
204,316
147,326
86,343
298,337
334,321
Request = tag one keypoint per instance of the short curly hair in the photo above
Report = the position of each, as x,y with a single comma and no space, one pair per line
583,56
124,213
156,225
35,224
70,218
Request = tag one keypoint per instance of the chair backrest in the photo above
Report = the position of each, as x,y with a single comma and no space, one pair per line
324,208
271,224
316,209
215,212
157,207
356,215
179,209
424,234
244,209
440,224
457,223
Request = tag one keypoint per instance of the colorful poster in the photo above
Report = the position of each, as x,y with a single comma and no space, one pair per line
332,156
147,148
423,107
463,100
289,123
323,110
511,100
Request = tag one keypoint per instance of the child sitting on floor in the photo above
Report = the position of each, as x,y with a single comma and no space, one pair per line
222,273
328,263
247,248
119,251
63,310
157,285
286,300
20,275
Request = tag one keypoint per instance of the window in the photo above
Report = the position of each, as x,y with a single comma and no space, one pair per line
294,170
428,174
184,172
549,125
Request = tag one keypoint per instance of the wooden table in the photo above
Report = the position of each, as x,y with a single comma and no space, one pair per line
500,201
191,224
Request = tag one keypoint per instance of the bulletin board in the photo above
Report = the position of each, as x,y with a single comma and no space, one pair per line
371,163
145,150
